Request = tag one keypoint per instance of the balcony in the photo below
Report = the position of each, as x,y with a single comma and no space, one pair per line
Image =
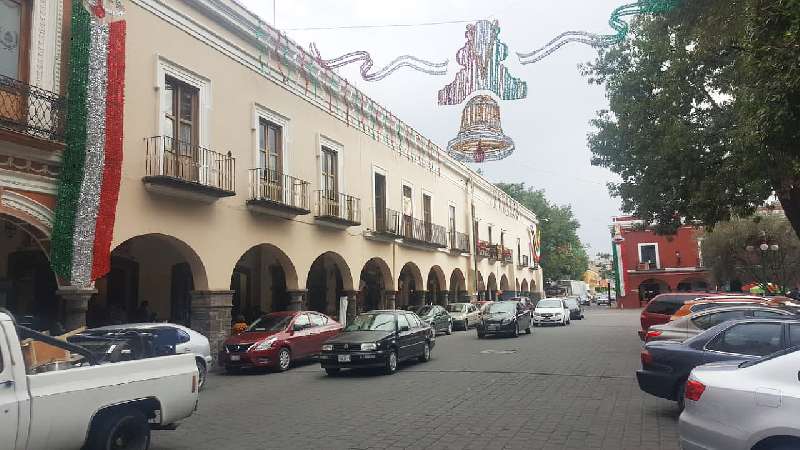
337,210
32,114
188,171
387,225
485,249
459,242
506,256
524,262
418,232
277,194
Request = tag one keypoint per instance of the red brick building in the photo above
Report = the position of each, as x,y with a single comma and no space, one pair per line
649,264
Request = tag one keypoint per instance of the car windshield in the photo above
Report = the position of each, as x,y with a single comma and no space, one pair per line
456,307
504,307
270,323
424,311
549,303
571,302
373,322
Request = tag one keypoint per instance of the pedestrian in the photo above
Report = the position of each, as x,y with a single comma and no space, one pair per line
239,325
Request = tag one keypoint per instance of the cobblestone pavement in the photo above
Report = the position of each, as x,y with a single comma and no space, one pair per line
559,388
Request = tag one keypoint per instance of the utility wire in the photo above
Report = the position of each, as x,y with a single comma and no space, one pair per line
395,25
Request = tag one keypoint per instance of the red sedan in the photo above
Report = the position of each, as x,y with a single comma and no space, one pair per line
277,339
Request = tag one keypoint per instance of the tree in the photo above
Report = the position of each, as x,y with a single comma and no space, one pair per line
733,251
563,255
704,112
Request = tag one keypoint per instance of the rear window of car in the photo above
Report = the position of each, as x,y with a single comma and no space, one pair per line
666,306
707,321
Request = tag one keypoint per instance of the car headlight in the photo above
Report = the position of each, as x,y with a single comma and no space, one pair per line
558,314
369,347
327,347
266,344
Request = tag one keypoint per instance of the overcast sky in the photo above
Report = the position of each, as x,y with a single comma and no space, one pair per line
549,127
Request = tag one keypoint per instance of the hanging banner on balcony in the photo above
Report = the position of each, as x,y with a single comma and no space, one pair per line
88,185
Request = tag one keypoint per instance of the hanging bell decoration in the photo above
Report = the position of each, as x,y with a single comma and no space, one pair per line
481,137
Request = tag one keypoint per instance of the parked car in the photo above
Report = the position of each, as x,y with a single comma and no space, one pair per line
688,326
704,303
378,339
551,310
507,317
666,364
437,317
735,406
575,308
603,300
275,340
77,403
167,339
661,308
584,301
464,315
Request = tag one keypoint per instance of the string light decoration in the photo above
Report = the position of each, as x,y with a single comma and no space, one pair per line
482,69
481,137
412,62
616,22
88,185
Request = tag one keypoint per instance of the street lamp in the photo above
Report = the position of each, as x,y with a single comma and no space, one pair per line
616,240
767,249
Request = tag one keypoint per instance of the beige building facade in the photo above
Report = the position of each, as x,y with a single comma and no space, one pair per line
256,180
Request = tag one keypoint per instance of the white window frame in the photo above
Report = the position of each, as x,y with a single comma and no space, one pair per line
455,216
413,203
644,244
324,141
379,171
262,112
422,205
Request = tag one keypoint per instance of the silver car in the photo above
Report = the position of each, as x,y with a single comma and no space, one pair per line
743,406
464,315
686,327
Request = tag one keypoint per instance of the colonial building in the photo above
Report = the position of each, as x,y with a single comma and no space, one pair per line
253,180
648,264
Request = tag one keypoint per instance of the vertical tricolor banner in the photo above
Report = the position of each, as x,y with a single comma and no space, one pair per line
88,185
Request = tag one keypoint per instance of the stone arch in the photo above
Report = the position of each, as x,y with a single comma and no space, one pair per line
263,280
524,286
375,280
436,286
651,287
409,283
458,286
482,294
328,279
491,287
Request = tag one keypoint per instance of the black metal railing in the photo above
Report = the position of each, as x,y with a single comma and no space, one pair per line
269,185
506,255
524,261
424,232
387,221
343,207
484,249
459,241
32,111
170,157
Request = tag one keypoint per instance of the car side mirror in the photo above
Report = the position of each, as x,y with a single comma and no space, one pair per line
404,328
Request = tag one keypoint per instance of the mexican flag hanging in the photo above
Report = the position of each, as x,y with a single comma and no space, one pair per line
88,185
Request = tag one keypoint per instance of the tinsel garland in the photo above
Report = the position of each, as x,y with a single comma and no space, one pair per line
113,155
69,181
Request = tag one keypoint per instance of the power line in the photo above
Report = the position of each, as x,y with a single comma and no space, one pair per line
394,25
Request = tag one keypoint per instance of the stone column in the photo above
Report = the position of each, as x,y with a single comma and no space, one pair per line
211,316
297,300
420,298
463,296
76,302
391,299
352,298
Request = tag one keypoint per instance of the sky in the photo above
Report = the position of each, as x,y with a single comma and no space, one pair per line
549,127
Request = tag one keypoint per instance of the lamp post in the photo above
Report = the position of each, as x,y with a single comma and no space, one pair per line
767,250
616,240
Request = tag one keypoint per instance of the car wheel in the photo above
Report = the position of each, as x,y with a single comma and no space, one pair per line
284,359
449,328
680,395
426,353
123,429
332,371
391,363
202,373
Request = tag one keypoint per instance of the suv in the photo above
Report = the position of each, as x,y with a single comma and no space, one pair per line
661,308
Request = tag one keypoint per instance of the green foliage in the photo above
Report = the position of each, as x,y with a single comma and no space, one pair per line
704,112
732,251
563,255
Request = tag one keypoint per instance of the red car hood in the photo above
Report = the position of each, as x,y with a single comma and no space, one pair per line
250,337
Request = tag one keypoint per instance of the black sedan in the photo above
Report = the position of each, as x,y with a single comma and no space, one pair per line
437,317
575,308
378,339
666,364
508,317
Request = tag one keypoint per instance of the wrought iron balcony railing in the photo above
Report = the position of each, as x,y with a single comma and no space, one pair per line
423,232
31,111
388,222
484,249
337,207
459,241
506,255
524,261
168,157
283,190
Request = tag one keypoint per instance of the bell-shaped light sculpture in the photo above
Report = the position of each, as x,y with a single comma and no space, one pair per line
481,137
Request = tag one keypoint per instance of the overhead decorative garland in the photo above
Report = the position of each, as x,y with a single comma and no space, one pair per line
616,22
412,62
88,185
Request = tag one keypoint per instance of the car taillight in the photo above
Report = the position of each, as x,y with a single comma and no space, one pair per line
194,384
647,358
652,334
694,389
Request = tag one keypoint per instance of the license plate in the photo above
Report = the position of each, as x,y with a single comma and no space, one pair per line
344,358
492,327
235,357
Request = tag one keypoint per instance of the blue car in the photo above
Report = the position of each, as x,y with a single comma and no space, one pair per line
666,364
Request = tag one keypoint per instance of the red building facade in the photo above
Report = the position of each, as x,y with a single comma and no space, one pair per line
649,264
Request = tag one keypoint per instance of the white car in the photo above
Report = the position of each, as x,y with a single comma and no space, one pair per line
464,315
752,405
183,339
551,310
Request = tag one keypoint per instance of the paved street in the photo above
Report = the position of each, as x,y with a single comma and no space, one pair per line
562,387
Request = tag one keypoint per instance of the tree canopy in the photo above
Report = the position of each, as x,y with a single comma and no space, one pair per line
563,255
704,112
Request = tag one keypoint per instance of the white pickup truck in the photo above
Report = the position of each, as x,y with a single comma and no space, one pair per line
87,405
